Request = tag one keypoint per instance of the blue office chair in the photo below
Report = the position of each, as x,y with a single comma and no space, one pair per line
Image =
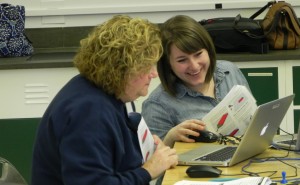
10,175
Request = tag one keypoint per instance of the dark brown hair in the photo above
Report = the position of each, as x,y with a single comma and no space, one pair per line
188,36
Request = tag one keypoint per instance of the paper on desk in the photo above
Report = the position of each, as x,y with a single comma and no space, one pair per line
233,114
242,181
146,140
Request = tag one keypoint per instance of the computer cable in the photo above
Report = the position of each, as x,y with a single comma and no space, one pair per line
256,174
271,173
234,140
290,145
282,160
286,132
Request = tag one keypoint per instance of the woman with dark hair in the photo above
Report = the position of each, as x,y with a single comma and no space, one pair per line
192,81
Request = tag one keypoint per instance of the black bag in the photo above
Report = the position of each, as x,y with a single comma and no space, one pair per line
13,41
231,34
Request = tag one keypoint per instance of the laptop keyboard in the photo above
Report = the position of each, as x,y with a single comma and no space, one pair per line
288,142
219,155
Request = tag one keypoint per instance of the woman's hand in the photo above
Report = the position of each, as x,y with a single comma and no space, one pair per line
183,130
162,159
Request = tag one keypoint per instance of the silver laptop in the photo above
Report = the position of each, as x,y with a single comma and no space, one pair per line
257,138
289,142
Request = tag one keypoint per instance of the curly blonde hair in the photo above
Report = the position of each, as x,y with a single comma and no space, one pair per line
117,49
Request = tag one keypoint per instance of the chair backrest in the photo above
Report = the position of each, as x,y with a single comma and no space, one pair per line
10,175
17,136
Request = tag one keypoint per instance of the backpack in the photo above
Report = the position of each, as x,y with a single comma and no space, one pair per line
236,34
280,25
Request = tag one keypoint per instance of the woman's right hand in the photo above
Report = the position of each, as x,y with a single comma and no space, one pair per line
182,131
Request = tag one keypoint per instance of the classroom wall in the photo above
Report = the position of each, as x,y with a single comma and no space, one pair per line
70,13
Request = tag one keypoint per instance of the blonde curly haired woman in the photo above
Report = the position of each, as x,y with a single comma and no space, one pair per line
85,136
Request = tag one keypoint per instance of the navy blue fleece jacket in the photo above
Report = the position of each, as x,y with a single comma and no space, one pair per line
84,139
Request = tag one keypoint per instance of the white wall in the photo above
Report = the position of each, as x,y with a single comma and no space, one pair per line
28,92
69,13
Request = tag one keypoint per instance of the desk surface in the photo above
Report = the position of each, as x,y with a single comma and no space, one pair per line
178,173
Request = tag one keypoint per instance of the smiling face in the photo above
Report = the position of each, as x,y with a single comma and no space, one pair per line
190,68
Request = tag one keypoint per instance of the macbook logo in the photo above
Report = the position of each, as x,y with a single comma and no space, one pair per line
263,131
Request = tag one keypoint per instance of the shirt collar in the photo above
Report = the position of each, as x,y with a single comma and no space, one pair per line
220,74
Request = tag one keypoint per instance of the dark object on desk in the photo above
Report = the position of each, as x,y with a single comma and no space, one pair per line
205,137
204,171
232,34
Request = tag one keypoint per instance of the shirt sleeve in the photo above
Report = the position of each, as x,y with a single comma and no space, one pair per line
158,119
235,75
